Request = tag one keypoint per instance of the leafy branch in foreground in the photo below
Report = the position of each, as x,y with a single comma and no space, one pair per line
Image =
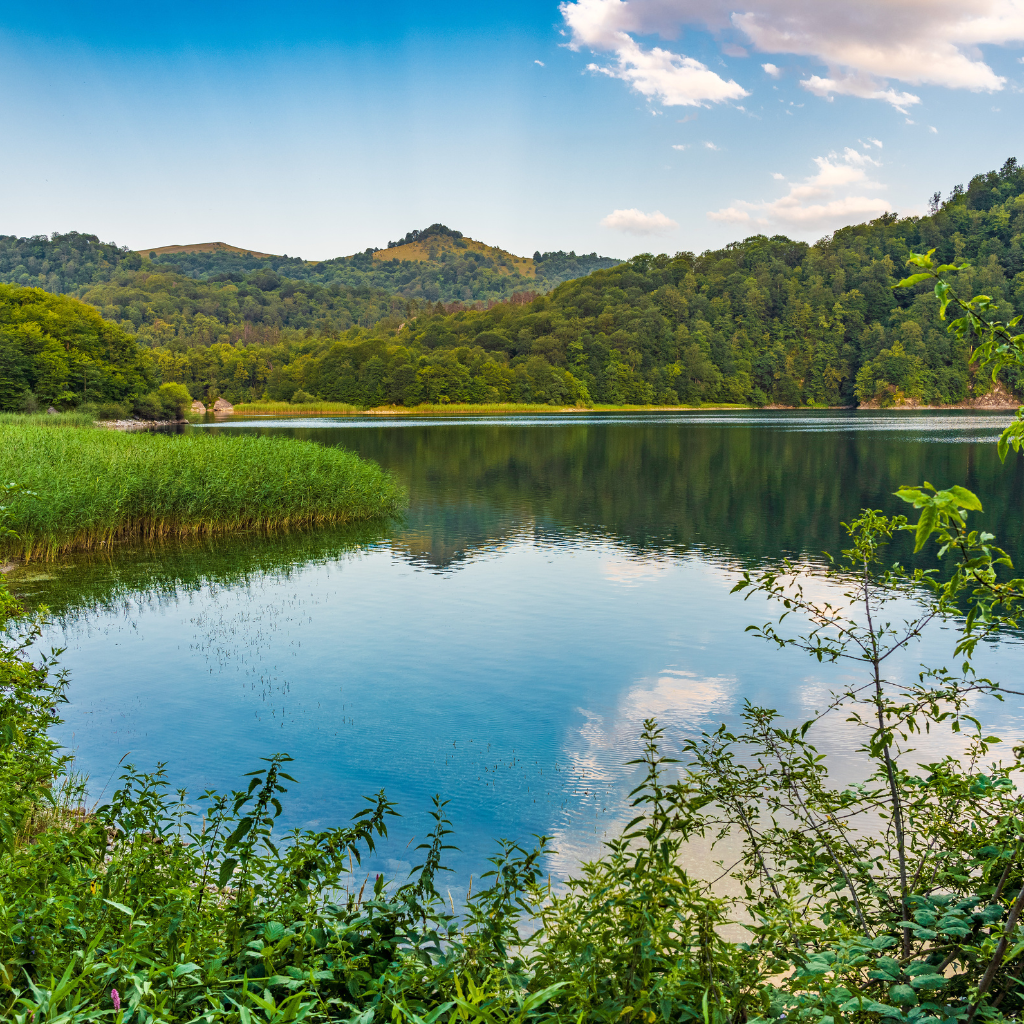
897,895
993,343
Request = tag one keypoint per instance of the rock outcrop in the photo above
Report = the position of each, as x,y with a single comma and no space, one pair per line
198,406
222,407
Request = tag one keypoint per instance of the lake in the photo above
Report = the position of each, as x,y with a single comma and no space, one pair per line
556,581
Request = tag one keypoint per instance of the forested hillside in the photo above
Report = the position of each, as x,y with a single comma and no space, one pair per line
204,297
436,264
765,320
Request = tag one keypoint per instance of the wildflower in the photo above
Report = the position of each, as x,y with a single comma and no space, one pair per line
92,887
115,998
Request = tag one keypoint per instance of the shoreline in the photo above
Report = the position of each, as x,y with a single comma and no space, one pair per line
262,412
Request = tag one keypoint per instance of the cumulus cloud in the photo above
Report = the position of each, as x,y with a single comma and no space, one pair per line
771,69
635,222
673,79
540,62
818,202
863,46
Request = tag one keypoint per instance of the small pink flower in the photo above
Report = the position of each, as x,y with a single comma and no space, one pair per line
115,999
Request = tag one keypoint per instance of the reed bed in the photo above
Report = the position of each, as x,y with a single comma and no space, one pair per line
44,419
294,409
91,489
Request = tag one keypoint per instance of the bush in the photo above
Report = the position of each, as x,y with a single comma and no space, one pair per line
111,411
301,398
175,400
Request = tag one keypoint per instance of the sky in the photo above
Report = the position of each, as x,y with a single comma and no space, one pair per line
615,126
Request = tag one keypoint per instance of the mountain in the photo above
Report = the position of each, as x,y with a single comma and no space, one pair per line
215,247
435,264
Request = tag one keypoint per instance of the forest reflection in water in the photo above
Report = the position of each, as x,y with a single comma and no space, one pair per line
553,582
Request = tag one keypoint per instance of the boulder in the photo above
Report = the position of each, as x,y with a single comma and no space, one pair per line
198,406
51,411
222,407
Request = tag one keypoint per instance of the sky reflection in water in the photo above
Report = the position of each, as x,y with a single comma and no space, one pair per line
555,582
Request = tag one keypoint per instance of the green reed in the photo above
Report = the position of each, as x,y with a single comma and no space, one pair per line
90,489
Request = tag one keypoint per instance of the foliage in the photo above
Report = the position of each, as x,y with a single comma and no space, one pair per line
93,488
992,342
763,321
57,351
766,320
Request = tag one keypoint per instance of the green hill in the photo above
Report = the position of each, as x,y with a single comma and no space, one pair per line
766,320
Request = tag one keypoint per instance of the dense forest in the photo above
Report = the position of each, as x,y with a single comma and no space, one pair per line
762,321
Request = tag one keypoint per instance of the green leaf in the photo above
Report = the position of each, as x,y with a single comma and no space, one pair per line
185,969
273,930
227,869
965,498
902,995
907,282
925,526
121,907
539,998
243,827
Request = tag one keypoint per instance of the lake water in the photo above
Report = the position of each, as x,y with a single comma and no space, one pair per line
556,581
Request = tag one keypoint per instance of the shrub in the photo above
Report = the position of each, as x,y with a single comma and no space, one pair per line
175,400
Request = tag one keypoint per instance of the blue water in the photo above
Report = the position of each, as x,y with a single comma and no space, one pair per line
554,583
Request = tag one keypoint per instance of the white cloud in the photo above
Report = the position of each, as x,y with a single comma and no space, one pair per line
816,203
672,79
771,69
635,222
680,148
540,62
863,86
710,145
779,177
863,46
933,129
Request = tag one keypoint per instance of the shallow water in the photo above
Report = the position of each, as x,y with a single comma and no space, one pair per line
556,580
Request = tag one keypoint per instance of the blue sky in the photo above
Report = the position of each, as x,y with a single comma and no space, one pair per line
619,126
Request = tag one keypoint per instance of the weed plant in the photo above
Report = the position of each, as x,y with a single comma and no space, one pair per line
90,489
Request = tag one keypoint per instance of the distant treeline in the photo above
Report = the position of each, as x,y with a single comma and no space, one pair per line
764,321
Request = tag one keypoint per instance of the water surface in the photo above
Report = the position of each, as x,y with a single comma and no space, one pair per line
556,581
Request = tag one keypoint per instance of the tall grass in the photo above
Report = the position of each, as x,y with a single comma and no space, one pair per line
293,409
43,419
90,489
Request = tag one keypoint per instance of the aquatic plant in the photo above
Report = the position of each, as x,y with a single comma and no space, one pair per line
89,489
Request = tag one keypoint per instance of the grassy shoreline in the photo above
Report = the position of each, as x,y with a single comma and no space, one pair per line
458,409
89,489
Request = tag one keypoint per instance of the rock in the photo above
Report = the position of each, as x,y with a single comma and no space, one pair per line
198,406
51,411
222,407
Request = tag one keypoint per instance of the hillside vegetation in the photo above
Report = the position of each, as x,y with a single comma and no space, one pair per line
766,320
762,321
